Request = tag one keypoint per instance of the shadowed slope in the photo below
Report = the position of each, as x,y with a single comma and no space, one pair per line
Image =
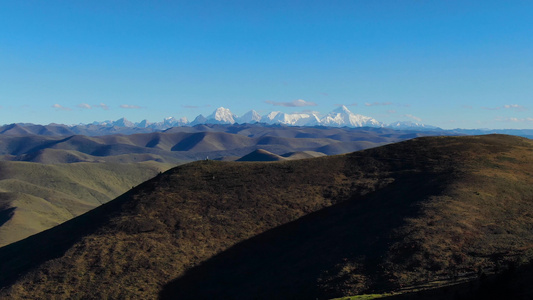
431,224
327,253
512,283
378,219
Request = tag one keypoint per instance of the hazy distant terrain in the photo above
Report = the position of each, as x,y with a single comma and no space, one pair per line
181,144
124,127
424,212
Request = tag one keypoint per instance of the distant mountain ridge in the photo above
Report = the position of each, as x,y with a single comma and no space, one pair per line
338,118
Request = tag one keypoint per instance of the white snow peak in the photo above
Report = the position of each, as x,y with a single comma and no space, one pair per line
342,116
221,116
339,117
250,117
294,119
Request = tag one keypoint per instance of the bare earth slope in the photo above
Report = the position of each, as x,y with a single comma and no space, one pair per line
420,211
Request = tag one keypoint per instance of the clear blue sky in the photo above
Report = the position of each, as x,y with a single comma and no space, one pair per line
453,64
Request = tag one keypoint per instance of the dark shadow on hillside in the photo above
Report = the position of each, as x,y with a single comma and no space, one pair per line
6,215
79,143
304,259
20,257
512,283
189,142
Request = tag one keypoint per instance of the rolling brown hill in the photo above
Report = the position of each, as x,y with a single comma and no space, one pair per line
425,211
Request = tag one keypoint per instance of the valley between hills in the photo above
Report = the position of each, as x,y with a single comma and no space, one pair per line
418,218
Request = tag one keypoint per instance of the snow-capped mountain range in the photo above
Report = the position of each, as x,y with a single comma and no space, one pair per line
340,117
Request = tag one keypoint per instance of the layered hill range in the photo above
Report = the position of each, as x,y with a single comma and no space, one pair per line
47,178
339,118
423,212
179,144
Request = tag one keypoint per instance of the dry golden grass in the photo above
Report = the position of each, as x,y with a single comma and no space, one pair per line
421,211
35,197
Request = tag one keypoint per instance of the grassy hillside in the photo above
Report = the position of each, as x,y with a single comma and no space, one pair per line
426,212
35,197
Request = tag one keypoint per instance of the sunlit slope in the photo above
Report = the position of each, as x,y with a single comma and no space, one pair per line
263,155
428,210
35,197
